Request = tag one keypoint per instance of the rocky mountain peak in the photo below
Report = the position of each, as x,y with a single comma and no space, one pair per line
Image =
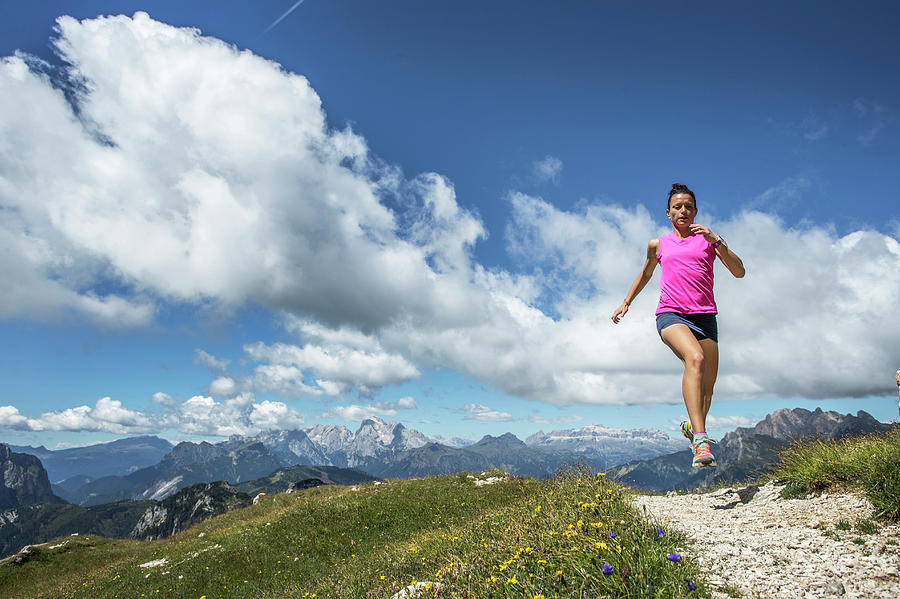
23,480
375,425
330,437
507,439
799,422
373,436
187,452
535,438
294,447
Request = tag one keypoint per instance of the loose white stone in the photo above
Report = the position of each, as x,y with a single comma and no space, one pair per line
414,590
767,548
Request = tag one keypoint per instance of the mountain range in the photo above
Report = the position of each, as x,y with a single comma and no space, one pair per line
391,450
178,491
610,446
100,474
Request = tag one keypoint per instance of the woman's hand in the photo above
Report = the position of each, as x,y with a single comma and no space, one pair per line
704,230
619,313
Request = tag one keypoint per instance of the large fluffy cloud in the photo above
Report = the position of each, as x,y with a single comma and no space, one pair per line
107,415
190,170
182,169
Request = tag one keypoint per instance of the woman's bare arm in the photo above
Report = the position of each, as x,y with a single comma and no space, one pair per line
731,260
640,282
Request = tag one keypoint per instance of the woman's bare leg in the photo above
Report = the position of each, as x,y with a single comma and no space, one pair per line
682,342
710,372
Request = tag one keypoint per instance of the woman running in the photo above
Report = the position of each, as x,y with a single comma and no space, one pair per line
686,315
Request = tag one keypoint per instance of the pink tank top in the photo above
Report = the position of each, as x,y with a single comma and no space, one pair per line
686,284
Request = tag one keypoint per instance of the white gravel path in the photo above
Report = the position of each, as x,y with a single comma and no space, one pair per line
763,546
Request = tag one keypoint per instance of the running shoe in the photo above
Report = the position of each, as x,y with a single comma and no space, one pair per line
686,430
702,455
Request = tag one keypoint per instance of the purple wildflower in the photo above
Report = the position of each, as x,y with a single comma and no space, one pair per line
674,557
659,533
607,569
612,535
691,585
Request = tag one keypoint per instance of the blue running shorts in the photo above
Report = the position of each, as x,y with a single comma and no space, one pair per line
702,325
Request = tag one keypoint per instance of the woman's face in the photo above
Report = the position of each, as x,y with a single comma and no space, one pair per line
682,210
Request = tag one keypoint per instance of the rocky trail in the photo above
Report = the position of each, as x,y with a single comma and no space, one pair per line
752,543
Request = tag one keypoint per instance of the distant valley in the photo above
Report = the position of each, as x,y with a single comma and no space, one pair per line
116,458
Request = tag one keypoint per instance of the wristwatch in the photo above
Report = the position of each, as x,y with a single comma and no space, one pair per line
719,241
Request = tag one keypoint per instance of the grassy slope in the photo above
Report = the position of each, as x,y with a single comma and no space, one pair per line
44,520
869,464
517,538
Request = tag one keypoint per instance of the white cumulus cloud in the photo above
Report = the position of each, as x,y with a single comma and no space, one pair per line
335,367
145,185
274,415
107,415
223,385
356,412
239,415
485,414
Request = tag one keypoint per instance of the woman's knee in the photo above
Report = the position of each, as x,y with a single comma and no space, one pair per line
695,360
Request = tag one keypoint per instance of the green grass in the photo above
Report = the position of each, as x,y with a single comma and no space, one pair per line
869,464
518,538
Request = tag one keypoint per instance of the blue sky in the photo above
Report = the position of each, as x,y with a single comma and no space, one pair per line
428,211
